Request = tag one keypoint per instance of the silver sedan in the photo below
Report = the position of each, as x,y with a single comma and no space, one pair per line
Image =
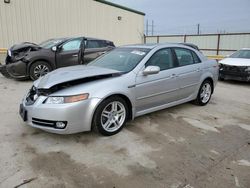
127,82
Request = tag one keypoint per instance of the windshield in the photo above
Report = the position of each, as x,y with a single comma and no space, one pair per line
241,54
121,59
50,43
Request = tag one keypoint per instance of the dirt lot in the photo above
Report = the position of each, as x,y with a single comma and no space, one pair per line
184,146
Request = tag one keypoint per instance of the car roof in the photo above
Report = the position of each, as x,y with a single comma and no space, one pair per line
69,38
245,49
154,45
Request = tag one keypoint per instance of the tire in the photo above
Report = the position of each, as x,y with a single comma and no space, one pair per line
38,69
204,95
110,116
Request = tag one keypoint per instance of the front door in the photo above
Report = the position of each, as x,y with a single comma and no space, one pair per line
157,89
69,53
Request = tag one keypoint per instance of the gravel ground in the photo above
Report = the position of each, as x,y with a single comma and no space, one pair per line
184,146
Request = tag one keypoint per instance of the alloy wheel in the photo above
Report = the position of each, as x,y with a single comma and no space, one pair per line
40,70
206,92
113,116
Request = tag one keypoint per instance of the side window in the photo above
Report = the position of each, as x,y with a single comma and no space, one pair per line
184,56
93,44
162,58
72,45
196,58
102,43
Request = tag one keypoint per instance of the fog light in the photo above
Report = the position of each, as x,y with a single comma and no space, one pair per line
60,124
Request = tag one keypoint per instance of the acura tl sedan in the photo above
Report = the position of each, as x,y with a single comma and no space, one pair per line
127,82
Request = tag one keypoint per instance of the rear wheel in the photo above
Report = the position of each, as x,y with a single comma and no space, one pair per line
205,93
39,69
110,116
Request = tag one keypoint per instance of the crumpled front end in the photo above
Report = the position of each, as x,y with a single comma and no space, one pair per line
16,70
230,72
16,62
65,118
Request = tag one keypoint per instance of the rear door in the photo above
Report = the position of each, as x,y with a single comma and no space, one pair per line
94,49
157,89
69,53
189,71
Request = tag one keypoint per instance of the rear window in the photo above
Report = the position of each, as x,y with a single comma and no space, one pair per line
184,56
94,44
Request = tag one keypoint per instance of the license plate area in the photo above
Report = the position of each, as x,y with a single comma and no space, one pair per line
23,112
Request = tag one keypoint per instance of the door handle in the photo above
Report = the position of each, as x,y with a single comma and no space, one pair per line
75,55
101,53
198,69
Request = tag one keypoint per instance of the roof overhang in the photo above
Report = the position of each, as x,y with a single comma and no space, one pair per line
121,7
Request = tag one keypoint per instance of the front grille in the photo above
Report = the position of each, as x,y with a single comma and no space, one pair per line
234,70
46,123
230,68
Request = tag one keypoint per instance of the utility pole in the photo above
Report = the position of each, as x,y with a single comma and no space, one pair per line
152,27
198,29
147,28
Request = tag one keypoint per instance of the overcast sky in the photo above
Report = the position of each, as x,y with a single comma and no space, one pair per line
182,16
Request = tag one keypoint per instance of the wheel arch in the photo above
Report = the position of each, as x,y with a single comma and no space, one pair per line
36,60
124,97
210,79
127,100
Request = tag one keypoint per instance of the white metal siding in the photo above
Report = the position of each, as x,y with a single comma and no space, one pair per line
151,39
204,42
38,20
232,42
209,43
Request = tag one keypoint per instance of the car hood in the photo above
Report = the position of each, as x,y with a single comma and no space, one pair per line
23,45
236,61
73,73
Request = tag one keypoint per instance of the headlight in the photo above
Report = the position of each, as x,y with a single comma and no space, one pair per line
9,53
68,99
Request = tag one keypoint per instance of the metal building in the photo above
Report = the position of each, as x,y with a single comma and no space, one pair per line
38,20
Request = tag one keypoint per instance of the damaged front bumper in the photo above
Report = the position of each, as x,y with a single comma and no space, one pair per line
238,73
4,71
238,76
76,116
15,70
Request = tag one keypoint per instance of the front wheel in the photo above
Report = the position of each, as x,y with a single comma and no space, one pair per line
110,116
205,93
39,69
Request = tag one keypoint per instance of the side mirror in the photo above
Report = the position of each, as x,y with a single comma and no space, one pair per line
151,70
54,48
